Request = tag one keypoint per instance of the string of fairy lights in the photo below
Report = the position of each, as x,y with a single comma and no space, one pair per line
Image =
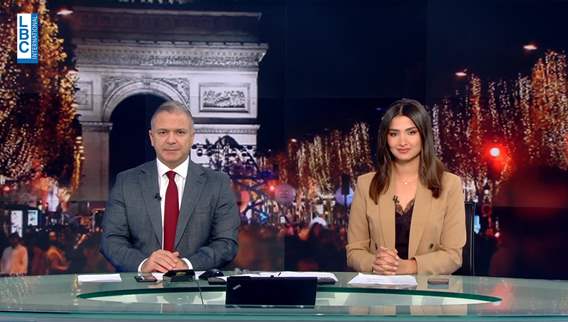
39,131
315,166
527,116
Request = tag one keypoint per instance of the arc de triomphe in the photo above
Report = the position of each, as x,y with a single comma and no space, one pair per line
207,60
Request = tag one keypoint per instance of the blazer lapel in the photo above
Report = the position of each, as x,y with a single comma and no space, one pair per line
386,217
150,187
194,184
420,217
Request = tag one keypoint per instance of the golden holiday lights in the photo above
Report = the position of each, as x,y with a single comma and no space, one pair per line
315,166
528,117
38,126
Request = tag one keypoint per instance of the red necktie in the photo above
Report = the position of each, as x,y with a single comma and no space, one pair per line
171,212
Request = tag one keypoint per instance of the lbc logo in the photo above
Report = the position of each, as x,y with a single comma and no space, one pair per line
27,38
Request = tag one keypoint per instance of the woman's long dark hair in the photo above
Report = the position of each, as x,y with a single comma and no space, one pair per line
431,168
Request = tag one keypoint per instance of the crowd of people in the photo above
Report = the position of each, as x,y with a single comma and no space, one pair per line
56,250
290,246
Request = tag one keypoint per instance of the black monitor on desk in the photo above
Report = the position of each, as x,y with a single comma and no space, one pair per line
277,291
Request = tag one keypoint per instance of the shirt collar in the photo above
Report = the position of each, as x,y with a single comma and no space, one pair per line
180,170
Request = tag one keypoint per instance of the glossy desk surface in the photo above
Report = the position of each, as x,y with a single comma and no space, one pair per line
63,298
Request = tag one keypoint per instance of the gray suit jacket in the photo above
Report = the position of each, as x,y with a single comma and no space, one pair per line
207,225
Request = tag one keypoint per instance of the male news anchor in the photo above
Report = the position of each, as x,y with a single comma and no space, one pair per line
170,213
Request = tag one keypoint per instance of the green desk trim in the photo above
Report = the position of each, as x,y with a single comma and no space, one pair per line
149,291
320,289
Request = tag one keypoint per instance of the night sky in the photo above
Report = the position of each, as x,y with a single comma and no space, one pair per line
487,36
331,64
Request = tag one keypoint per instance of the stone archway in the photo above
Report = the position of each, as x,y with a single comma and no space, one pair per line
207,60
117,88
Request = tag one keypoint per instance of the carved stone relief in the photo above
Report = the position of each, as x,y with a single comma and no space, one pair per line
224,97
152,54
84,95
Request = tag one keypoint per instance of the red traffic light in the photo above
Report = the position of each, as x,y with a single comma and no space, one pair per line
496,156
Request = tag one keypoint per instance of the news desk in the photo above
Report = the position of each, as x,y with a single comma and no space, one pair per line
63,298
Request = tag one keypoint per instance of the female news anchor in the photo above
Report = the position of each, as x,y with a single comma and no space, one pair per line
408,217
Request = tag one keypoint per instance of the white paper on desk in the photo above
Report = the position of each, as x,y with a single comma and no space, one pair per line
159,276
300,274
100,278
384,279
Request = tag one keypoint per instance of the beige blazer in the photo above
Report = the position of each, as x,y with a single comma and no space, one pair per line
437,229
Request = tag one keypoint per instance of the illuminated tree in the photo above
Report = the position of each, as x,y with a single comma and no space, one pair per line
39,131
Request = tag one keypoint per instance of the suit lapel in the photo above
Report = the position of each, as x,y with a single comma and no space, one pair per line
386,217
194,184
420,217
149,184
